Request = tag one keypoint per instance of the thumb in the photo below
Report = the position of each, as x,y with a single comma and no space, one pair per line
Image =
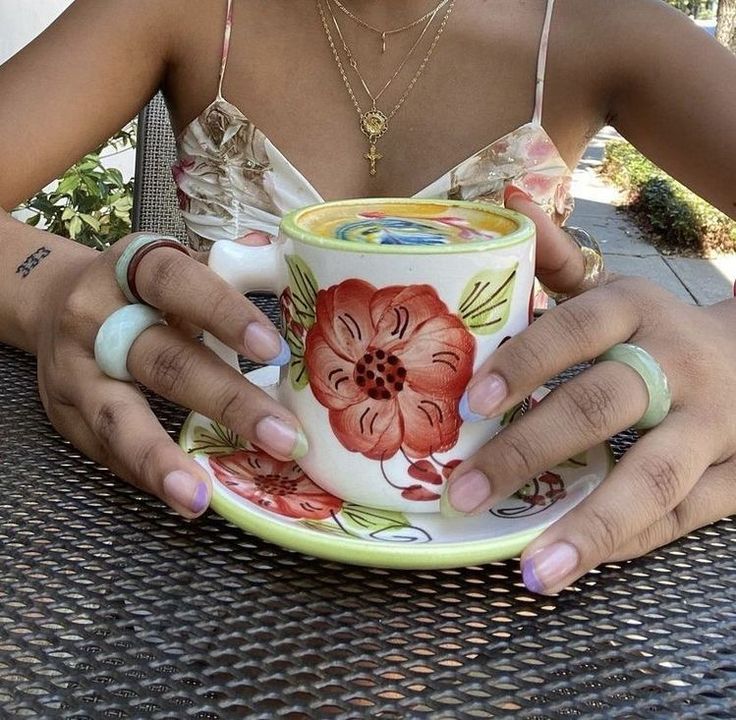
560,264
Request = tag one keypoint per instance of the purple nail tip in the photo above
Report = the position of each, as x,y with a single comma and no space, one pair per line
466,413
200,499
284,355
529,576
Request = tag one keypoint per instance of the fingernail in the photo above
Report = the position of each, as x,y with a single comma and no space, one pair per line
186,490
545,571
254,238
282,438
483,398
264,343
512,191
465,494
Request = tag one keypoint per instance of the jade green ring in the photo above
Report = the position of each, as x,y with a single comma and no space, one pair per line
650,371
123,262
117,335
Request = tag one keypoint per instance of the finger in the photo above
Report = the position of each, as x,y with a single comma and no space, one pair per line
252,238
115,427
651,479
189,374
581,413
184,327
181,286
560,265
255,238
579,330
711,500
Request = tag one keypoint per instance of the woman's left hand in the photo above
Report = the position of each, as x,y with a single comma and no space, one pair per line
680,476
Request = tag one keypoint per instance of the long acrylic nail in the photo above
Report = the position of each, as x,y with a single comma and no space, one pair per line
546,570
187,491
282,438
466,494
264,343
483,398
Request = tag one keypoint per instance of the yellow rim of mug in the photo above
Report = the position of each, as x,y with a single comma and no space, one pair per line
525,229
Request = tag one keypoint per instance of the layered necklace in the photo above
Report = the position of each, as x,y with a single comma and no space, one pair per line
392,31
374,123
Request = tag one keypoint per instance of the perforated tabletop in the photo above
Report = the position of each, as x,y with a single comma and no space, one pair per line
112,607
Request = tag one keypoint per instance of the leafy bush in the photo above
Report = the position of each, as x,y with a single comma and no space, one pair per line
680,220
91,203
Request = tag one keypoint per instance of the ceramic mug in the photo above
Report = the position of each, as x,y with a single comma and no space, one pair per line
388,306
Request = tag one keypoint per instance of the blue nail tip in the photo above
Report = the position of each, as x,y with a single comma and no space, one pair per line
200,499
466,413
284,355
530,578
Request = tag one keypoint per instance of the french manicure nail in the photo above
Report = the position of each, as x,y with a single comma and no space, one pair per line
284,439
186,490
483,398
547,568
264,343
466,493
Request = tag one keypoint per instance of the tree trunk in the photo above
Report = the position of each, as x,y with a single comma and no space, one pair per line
726,24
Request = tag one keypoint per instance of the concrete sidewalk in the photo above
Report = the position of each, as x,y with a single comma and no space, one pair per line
696,281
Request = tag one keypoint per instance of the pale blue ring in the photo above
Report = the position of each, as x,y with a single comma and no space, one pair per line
650,371
121,266
117,335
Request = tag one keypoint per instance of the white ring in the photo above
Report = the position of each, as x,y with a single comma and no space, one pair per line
117,335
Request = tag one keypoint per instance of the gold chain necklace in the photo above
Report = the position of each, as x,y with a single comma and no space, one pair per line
354,63
392,31
374,122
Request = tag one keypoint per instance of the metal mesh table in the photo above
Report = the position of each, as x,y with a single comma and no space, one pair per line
112,607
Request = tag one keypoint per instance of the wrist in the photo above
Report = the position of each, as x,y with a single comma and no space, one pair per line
37,266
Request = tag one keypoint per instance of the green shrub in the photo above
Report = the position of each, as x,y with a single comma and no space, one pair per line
680,220
90,203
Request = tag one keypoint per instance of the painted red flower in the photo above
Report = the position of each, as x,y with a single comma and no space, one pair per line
275,485
535,494
289,315
390,365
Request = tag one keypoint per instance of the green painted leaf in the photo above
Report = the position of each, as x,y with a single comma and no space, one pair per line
304,287
577,461
367,523
486,300
298,374
214,439
323,527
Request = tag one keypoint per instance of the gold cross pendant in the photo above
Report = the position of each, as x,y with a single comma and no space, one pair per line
373,156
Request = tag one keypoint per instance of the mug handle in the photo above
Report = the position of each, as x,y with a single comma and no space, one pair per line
248,268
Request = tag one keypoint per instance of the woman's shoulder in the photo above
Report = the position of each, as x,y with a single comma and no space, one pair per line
621,36
618,19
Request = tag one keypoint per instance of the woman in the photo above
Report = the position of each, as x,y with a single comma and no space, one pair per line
471,79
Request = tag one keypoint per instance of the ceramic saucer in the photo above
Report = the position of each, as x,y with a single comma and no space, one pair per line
276,501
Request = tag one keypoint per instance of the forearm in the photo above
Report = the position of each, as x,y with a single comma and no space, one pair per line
33,264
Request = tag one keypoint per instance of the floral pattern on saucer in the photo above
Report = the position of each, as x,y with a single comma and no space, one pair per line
277,501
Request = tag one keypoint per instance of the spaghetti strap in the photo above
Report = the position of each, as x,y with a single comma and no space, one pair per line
225,47
542,63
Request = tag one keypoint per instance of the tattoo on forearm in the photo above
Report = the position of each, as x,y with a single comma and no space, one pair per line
25,268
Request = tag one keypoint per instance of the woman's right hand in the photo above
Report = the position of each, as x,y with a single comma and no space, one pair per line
110,421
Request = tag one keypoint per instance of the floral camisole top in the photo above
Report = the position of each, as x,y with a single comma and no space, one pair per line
232,180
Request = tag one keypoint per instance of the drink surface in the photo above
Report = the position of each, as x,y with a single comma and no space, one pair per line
406,223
